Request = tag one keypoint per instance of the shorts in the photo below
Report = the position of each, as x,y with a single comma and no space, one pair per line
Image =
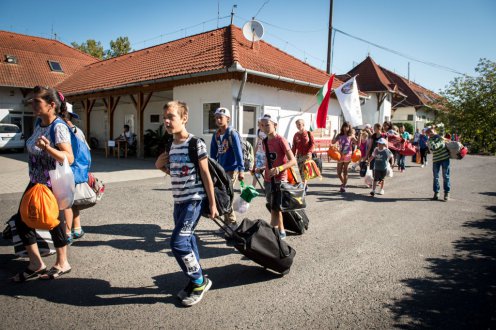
379,175
268,196
345,158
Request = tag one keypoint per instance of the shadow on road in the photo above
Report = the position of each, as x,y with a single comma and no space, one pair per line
97,292
461,293
151,238
326,196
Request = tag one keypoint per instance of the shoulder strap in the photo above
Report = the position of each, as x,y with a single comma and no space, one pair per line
230,136
193,154
269,162
52,129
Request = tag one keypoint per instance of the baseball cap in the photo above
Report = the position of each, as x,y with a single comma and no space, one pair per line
368,126
382,141
69,110
223,112
269,118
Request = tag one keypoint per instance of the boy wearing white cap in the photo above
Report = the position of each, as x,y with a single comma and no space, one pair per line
226,149
381,155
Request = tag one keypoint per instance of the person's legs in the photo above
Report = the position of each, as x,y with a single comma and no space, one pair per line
59,238
77,231
345,173
183,242
230,218
446,176
401,162
435,173
69,216
340,172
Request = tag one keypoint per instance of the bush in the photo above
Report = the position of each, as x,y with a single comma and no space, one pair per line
408,126
155,141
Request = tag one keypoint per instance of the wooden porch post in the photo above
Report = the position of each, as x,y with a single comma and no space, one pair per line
140,102
88,106
111,104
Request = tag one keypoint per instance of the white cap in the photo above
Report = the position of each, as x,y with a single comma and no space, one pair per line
368,126
223,112
269,118
69,110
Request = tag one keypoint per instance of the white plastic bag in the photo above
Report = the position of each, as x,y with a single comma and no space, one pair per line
63,184
240,205
389,170
369,177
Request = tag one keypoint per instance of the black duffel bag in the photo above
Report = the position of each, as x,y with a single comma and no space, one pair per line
260,242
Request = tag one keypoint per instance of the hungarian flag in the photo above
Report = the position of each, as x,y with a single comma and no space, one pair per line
323,97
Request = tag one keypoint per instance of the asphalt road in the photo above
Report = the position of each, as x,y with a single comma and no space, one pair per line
398,260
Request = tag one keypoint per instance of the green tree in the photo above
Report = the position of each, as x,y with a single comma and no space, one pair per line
470,108
92,47
119,47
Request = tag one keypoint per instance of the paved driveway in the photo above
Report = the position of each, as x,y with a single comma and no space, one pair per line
398,260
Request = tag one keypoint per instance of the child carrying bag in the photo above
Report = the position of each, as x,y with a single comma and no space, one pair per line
285,196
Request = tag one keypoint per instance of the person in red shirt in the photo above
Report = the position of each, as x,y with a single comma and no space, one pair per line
282,158
303,146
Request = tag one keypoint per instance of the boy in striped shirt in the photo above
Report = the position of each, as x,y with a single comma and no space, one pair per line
189,196
440,159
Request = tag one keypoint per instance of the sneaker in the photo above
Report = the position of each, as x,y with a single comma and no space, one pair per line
69,239
435,197
77,235
422,166
402,170
184,292
195,294
381,192
282,235
342,189
372,193
446,196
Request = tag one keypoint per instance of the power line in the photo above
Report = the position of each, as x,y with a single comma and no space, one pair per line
266,2
178,30
435,65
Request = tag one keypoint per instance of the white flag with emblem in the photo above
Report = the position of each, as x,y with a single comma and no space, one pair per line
347,95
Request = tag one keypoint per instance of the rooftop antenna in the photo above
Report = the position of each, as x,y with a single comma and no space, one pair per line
253,31
232,13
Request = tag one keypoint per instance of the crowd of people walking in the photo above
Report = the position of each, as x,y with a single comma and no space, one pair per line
186,160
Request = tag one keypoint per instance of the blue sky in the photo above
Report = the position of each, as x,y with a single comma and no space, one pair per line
454,33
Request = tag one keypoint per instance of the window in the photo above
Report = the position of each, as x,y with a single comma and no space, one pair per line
409,118
11,59
249,119
55,66
154,119
208,117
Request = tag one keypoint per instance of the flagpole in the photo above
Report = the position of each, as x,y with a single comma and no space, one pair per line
329,40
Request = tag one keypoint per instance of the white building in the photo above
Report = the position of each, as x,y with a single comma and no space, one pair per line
207,70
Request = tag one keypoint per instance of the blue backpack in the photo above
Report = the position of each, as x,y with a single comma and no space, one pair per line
82,155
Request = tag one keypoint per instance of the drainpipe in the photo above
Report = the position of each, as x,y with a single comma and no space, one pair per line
238,99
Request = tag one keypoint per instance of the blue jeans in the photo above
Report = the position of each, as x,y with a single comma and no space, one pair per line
401,162
183,240
445,165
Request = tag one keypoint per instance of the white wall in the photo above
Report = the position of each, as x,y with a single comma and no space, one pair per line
370,114
401,114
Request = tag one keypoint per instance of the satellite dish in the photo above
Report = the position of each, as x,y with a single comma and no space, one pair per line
253,30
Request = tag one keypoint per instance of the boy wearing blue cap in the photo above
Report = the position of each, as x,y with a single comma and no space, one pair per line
381,155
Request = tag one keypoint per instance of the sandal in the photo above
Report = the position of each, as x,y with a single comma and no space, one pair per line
54,273
28,274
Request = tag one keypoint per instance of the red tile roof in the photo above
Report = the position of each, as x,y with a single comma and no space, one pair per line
219,49
374,78
33,54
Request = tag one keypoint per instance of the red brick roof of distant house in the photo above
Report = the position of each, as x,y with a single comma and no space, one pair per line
210,52
375,78
32,55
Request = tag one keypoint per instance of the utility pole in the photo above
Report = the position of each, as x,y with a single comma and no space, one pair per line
329,40
232,13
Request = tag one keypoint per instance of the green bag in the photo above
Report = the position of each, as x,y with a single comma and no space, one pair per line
248,192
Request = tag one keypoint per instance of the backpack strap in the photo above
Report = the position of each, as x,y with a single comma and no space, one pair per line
193,155
269,163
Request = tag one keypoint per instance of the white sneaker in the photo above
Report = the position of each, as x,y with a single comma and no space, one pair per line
381,192
422,166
